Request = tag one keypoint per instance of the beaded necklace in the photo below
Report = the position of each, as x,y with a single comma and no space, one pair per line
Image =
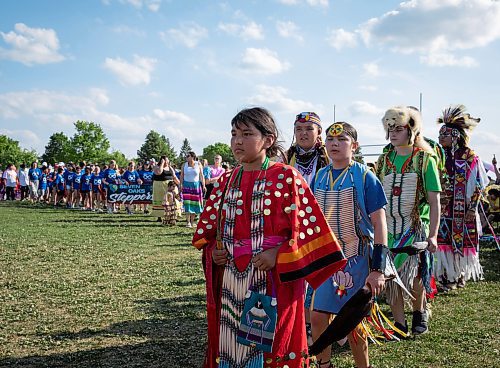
331,185
235,202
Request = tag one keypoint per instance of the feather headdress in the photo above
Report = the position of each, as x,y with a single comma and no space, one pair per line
455,117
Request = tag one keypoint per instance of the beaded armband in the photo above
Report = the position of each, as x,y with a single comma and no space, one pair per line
379,258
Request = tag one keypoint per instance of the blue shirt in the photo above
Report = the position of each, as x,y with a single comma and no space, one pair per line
60,182
369,192
375,196
77,178
43,182
96,182
86,181
207,172
146,177
34,174
131,177
110,176
68,177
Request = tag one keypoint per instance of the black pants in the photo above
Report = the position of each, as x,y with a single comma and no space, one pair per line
25,191
10,193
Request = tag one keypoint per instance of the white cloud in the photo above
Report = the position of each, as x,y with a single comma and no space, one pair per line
340,38
368,88
31,45
487,137
320,3
189,35
371,69
50,111
99,95
29,139
262,61
289,2
152,5
128,31
172,116
364,108
447,59
249,31
435,29
314,3
137,72
289,30
56,110
277,99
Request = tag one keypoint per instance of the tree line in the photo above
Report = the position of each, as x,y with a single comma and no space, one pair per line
89,143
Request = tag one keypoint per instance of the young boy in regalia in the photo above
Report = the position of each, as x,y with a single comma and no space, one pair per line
411,183
457,257
353,201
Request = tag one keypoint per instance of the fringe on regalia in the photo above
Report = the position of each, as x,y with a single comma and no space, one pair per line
452,266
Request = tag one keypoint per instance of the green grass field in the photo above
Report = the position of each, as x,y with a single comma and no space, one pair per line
80,289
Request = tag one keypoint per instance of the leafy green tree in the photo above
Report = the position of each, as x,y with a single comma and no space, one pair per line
12,153
58,149
358,156
219,149
89,142
119,157
154,146
185,148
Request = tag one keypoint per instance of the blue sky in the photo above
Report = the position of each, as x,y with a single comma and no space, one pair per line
184,67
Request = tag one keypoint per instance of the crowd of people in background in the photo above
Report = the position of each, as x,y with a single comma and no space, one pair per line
84,186
404,226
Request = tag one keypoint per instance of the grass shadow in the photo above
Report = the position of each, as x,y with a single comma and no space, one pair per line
152,354
170,334
490,260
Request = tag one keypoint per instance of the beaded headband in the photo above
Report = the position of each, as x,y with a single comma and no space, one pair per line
308,117
335,130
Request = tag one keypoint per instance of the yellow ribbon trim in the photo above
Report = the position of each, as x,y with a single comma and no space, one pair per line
305,249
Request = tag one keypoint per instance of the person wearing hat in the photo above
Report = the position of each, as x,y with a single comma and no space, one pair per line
457,258
43,187
307,153
409,174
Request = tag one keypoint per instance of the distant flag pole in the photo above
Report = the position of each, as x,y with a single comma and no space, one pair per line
420,102
334,114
